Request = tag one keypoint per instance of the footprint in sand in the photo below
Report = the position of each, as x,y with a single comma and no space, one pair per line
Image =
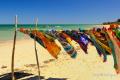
48,61
34,65
30,65
3,67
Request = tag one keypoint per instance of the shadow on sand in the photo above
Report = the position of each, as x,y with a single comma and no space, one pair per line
26,76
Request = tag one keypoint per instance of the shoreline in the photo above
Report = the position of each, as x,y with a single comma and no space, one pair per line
23,37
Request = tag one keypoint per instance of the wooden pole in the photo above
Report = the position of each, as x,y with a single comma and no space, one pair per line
13,51
36,54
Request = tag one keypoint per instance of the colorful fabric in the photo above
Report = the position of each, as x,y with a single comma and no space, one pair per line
51,46
116,48
77,37
98,47
37,39
84,39
118,33
68,38
67,47
111,45
113,53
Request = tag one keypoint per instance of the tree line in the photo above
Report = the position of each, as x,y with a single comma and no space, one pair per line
114,22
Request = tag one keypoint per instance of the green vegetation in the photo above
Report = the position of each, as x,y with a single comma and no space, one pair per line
115,22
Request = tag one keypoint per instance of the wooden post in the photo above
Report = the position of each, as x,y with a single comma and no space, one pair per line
36,54
13,51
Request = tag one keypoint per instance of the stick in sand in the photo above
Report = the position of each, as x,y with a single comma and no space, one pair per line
13,51
36,54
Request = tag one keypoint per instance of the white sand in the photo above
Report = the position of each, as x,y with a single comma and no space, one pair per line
84,67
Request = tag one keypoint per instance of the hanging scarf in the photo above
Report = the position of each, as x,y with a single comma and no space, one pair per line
117,49
98,47
51,46
117,31
116,34
67,47
68,39
111,45
76,36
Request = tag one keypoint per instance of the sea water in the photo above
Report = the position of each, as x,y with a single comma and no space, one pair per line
7,30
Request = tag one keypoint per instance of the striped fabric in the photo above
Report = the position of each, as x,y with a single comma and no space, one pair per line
77,37
99,48
67,47
116,48
51,46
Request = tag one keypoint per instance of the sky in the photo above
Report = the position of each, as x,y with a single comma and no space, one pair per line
59,11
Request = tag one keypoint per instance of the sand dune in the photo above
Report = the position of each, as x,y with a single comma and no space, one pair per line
84,67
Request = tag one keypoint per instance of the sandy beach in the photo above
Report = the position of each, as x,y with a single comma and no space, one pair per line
84,67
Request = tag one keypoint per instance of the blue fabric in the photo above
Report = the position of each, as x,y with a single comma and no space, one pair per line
84,40
74,54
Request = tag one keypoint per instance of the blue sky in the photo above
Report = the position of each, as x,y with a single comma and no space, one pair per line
59,11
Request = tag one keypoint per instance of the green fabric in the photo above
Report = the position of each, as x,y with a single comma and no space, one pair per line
48,36
113,50
118,33
113,53
74,54
99,48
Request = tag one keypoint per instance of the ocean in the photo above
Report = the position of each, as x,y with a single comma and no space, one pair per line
7,30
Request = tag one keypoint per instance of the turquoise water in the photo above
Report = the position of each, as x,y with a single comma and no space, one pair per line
7,30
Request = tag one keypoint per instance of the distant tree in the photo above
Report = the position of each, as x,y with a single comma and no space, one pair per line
118,20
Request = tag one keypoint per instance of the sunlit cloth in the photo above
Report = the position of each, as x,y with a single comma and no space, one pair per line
51,46
101,40
99,48
68,38
117,50
111,45
67,47
113,53
118,33
117,36
76,36
37,39
84,39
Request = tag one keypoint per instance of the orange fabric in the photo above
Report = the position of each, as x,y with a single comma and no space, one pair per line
66,36
51,46
112,26
23,30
